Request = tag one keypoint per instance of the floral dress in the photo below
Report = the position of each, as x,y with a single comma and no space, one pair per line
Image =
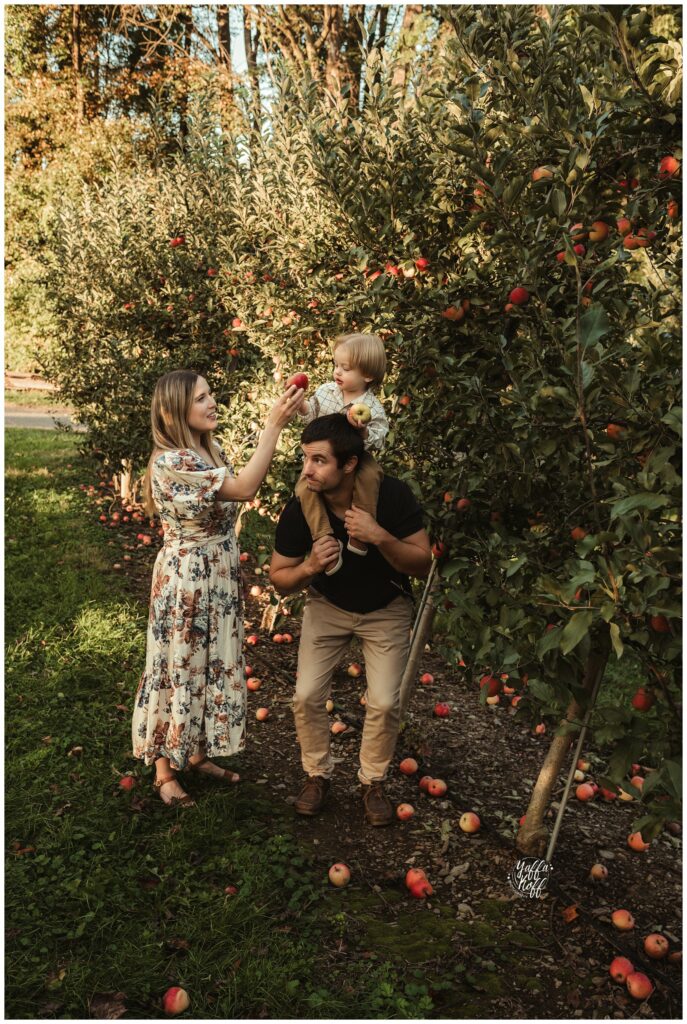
192,694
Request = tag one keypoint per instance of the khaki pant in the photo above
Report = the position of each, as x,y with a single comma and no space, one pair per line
368,477
326,633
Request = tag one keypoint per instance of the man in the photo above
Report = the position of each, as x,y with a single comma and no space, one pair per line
369,598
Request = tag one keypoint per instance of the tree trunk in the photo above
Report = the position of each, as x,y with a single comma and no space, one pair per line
332,26
250,42
77,64
354,55
404,49
186,21
224,39
533,837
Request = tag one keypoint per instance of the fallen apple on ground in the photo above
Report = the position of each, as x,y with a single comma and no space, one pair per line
621,968
635,842
469,822
442,710
408,766
599,872
262,713
339,875
127,782
639,986
427,679
175,1001
436,787
424,782
413,876
404,812
253,684
354,670
622,920
656,946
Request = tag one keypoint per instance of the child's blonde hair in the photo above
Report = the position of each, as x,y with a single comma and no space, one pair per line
171,404
366,353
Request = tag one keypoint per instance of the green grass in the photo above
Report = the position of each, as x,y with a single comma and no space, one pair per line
34,399
112,898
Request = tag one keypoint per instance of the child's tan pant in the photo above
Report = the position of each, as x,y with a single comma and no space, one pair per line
368,477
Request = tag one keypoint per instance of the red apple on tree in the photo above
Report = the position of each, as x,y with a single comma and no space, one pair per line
519,296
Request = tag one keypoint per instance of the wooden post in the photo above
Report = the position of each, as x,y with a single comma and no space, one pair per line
421,630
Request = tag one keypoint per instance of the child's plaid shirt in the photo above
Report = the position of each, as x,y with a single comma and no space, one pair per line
328,399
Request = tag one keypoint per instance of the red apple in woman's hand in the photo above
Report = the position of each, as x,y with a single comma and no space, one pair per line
299,380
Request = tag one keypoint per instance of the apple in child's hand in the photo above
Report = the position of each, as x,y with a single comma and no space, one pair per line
299,380
359,414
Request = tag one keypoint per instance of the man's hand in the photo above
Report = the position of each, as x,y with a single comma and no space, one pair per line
362,526
324,554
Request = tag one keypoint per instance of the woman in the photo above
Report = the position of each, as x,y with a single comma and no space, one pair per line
191,700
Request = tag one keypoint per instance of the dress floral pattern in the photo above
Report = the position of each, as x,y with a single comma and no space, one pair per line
192,695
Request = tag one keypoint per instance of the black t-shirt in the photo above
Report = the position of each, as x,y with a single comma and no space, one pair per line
364,583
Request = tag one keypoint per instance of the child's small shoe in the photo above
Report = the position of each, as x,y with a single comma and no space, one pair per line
337,565
357,547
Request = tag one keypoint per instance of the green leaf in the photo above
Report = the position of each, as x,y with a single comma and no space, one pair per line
593,325
576,629
615,639
558,203
645,499
674,771
673,419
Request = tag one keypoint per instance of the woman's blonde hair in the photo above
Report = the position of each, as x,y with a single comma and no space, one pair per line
169,410
366,353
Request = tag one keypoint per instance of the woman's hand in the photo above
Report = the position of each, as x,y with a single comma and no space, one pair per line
285,408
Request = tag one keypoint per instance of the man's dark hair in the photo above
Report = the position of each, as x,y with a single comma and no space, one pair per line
335,428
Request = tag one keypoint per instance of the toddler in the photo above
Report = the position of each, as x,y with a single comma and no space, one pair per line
359,368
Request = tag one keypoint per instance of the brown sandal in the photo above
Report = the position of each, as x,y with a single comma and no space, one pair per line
174,801
231,778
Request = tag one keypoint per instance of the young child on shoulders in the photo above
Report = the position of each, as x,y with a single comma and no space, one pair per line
359,368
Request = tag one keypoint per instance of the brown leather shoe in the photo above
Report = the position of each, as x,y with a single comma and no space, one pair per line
378,809
311,798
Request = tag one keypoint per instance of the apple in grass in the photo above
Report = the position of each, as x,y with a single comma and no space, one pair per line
127,782
359,414
339,875
175,1001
